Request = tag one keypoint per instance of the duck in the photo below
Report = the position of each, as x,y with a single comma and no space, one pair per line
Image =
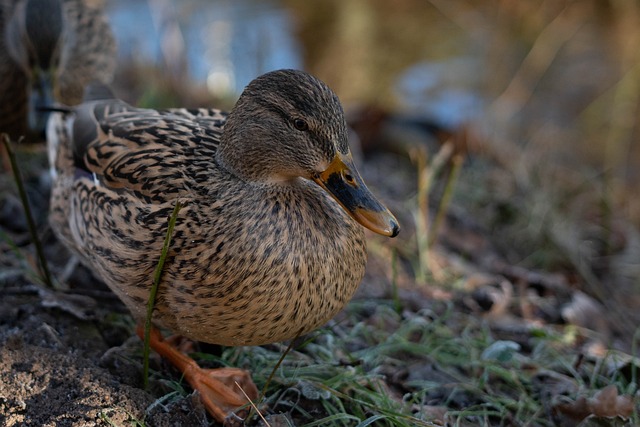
50,50
269,243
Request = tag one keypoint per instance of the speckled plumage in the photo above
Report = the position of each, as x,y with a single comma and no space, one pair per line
71,39
260,252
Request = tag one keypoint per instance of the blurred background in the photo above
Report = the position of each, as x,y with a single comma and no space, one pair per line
504,136
531,108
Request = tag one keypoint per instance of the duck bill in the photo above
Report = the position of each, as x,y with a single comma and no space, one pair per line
40,98
343,182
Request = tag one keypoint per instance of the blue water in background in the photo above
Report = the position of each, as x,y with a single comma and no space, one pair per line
225,44
233,40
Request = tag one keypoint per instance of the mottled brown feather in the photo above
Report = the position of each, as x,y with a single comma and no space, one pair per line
255,258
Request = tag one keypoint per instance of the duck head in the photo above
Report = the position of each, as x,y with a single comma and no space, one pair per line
288,125
34,37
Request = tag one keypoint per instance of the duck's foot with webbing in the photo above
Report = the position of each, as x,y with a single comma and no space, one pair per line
222,390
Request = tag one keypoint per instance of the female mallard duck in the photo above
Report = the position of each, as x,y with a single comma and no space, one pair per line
49,50
267,245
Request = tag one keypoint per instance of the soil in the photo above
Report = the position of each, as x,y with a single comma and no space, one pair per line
63,369
69,357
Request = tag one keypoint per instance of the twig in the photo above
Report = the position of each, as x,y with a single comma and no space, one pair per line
44,268
397,304
538,60
253,405
275,368
427,174
454,172
421,214
154,290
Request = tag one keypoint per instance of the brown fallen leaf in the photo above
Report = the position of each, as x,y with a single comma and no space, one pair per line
605,403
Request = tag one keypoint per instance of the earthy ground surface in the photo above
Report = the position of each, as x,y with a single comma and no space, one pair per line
71,358
68,358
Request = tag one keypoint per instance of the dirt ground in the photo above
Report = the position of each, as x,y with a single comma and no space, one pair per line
69,358
59,369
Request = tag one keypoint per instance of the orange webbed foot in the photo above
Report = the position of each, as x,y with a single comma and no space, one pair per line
221,390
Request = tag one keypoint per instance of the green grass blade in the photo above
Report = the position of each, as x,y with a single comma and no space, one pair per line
44,267
154,290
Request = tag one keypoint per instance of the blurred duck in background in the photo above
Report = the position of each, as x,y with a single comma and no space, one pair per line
49,51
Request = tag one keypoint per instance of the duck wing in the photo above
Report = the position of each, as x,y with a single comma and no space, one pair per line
153,154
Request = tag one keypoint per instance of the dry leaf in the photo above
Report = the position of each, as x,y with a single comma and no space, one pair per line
605,403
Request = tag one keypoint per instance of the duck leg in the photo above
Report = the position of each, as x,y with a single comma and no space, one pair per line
217,387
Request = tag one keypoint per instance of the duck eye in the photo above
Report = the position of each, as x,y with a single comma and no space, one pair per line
349,178
300,124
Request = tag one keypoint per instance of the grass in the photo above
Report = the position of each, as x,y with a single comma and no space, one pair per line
420,372
157,275
45,275
381,364
345,375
